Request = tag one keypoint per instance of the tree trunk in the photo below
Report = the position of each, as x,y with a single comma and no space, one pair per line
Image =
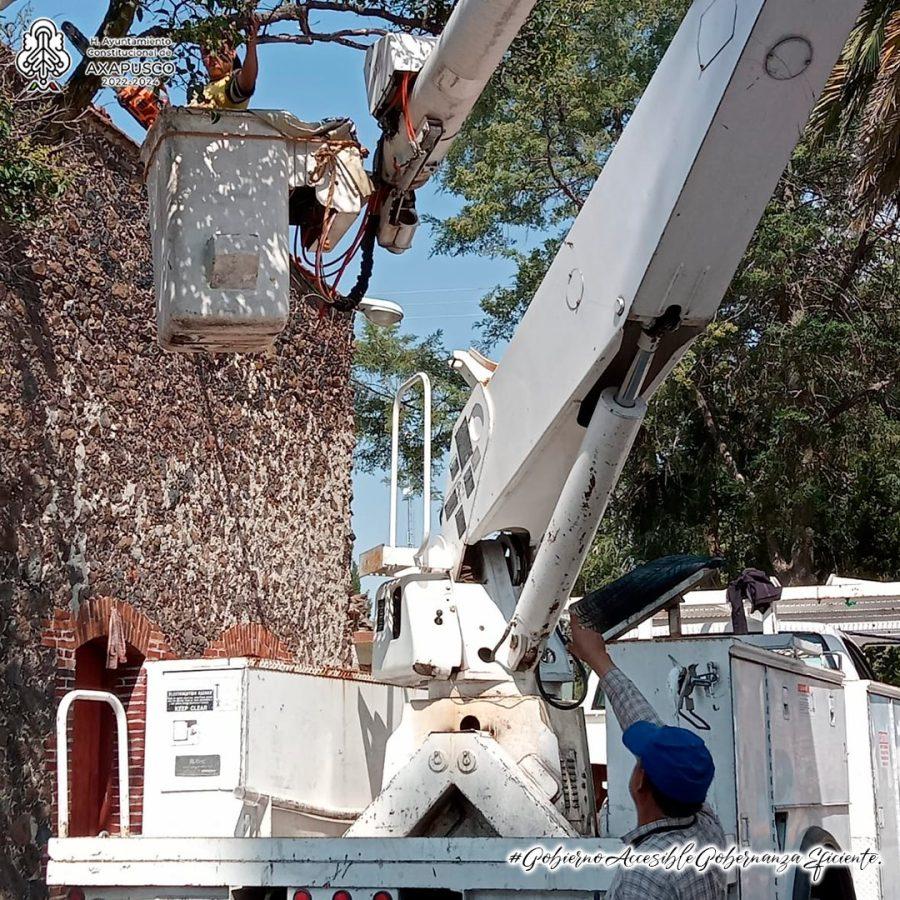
800,568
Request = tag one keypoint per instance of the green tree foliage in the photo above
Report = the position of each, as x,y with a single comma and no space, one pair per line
384,359
31,176
777,439
886,663
540,134
860,103
542,131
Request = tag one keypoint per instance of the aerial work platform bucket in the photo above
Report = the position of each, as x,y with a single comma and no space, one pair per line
219,186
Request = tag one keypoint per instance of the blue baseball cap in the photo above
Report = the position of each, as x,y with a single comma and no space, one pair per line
676,760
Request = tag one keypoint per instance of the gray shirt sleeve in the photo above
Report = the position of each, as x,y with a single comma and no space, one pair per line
628,704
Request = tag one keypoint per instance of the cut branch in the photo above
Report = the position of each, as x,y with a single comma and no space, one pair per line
81,87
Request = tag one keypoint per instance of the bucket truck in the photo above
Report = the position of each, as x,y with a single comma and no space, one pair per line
469,761
539,446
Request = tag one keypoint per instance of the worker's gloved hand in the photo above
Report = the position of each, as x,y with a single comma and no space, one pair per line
589,647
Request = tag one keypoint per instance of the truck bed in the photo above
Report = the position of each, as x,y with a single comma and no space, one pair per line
142,868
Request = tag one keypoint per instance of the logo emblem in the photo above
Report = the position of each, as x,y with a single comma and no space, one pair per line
43,57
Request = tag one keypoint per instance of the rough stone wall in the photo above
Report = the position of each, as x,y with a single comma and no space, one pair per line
207,493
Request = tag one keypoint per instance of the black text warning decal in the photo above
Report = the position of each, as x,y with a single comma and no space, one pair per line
197,700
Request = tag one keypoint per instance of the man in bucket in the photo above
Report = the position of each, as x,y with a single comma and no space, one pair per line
668,785
232,82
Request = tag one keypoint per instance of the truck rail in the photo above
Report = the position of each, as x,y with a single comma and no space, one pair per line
208,864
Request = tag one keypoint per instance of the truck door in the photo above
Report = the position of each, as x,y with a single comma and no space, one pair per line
884,725
756,827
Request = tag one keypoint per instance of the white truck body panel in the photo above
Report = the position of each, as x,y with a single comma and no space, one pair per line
246,748
884,742
144,868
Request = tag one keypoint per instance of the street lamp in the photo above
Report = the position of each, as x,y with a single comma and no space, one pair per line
381,312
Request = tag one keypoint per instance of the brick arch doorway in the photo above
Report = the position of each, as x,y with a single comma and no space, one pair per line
94,803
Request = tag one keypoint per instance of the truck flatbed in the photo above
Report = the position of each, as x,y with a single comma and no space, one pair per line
144,867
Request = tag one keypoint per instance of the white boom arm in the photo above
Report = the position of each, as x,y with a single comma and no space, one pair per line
422,92
540,445
470,48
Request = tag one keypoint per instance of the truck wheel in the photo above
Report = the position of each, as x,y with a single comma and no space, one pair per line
835,884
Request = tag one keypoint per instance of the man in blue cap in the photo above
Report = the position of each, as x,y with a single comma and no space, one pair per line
668,785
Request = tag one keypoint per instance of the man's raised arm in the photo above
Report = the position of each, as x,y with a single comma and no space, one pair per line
628,704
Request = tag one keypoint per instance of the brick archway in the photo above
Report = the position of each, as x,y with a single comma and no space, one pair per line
249,639
80,644
140,632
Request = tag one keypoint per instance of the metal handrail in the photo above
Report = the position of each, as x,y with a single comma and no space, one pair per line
62,756
426,451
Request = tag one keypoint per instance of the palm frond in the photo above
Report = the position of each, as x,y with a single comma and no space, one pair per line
879,143
861,103
854,76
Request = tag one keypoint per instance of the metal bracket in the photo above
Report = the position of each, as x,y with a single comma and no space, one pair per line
481,770
688,679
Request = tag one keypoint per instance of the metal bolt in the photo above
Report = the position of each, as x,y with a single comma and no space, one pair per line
437,762
620,305
466,762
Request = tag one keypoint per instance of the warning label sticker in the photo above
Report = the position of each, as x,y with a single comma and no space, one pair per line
198,766
198,700
884,749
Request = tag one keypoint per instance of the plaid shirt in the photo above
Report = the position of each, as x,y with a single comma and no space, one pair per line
704,829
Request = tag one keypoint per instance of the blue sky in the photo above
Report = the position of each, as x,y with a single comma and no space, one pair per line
436,292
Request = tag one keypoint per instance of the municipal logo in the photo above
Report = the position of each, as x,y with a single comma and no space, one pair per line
43,58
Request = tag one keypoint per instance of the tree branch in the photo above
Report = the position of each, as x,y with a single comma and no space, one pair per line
376,12
563,186
299,12
721,447
81,87
344,37
877,387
